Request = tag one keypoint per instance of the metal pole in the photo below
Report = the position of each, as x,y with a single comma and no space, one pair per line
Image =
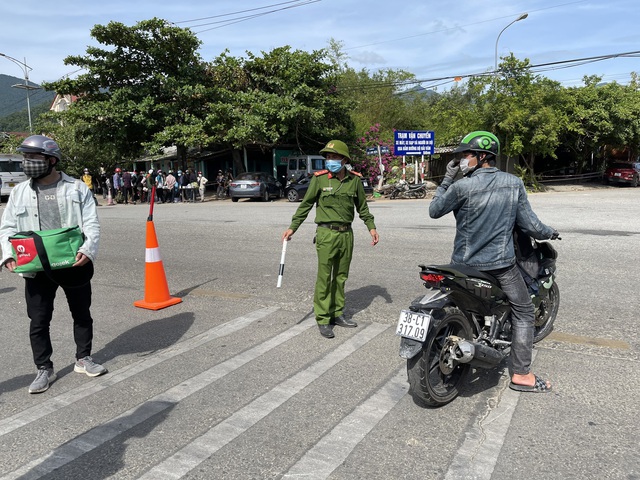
26,86
25,68
495,67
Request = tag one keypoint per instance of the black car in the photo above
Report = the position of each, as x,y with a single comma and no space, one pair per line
296,191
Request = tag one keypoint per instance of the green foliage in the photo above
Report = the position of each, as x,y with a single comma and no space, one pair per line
9,143
378,98
531,182
281,97
148,89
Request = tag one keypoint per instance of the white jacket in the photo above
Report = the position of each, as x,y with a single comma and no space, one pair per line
76,204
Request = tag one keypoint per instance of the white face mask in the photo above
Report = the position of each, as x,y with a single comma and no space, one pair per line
465,168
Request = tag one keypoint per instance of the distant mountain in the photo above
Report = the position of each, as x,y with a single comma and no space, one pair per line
13,103
420,91
15,99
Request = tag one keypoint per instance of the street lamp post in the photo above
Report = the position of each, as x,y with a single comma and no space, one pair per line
25,68
495,68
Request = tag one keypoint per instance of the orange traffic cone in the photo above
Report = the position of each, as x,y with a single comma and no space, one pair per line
109,197
156,290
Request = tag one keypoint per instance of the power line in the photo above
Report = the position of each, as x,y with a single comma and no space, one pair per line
542,67
225,23
237,12
458,26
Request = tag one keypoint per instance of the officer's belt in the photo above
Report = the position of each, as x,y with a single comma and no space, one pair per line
337,228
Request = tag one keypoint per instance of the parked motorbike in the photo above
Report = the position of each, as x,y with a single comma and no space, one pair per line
463,321
402,189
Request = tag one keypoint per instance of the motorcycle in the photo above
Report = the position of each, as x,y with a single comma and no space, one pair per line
402,189
463,321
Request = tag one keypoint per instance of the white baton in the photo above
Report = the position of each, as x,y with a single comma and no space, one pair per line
281,272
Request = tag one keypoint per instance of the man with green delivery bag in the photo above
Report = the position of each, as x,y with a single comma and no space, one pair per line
50,201
335,191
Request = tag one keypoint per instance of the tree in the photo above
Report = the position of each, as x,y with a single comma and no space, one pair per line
530,113
147,91
282,97
9,143
458,111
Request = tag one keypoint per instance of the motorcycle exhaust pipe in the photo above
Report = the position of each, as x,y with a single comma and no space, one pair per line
477,354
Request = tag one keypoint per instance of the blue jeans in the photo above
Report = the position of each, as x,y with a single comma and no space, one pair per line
522,317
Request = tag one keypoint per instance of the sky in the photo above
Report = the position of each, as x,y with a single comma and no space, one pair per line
433,39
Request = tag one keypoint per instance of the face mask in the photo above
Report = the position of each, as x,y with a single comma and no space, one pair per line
465,168
36,167
334,166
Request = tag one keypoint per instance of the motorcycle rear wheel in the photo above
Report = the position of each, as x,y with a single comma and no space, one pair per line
429,384
546,314
421,193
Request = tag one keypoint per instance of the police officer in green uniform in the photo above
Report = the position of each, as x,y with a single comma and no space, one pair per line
335,192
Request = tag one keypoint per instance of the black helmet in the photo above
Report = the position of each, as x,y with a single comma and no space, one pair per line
480,141
40,144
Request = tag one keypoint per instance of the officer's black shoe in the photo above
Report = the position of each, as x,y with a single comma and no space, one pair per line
326,331
341,321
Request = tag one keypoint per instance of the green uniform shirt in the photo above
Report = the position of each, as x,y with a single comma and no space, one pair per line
334,200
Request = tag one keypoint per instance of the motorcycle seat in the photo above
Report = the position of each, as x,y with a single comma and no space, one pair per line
468,271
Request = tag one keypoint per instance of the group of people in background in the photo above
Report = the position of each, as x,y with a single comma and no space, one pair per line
131,187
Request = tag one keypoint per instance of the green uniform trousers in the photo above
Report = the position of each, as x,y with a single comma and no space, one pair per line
335,250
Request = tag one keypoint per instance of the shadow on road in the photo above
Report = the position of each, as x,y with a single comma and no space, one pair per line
143,339
108,459
360,299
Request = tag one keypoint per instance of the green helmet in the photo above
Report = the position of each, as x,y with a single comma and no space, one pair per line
336,146
480,141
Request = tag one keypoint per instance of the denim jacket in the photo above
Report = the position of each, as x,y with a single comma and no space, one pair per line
76,204
487,205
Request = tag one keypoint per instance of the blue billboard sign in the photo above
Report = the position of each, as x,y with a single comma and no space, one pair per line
414,142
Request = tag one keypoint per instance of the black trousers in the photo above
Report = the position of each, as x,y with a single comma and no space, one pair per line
40,293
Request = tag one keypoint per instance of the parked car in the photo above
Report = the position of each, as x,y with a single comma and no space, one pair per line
621,172
255,185
296,191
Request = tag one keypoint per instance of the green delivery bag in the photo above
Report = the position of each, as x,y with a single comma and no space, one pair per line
46,250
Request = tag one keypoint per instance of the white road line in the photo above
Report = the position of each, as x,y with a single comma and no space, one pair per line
97,436
54,404
193,454
330,452
478,455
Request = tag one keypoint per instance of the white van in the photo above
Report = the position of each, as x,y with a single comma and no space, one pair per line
10,172
303,164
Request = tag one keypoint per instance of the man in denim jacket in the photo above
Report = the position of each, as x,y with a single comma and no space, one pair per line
52,200
487,204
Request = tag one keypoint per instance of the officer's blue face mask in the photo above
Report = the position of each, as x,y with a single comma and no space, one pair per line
334,166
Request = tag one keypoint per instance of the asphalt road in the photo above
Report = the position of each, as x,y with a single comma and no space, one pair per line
236,383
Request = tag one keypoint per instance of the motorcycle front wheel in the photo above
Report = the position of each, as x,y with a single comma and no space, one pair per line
421,193
431,382
546,313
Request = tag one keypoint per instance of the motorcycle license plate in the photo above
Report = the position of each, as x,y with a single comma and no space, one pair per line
413,325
